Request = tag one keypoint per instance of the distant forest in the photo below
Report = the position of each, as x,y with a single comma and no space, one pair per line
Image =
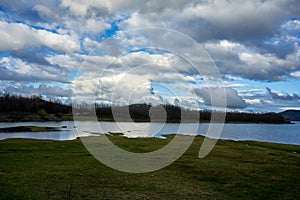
13,107
33,104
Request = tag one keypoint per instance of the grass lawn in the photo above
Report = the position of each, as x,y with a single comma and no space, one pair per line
33,169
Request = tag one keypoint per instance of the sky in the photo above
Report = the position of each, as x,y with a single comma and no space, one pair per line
198,54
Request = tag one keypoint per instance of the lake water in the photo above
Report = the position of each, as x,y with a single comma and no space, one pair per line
276,133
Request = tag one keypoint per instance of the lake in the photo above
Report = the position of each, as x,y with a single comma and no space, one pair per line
276,133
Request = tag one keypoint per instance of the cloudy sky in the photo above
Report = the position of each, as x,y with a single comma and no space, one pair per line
187,53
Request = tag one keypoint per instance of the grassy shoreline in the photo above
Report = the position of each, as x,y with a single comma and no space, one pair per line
39,169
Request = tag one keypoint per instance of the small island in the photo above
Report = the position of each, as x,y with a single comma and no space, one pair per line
28,129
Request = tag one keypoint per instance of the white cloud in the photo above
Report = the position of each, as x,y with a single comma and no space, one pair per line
50,91
15,36
90,44
137,20
81,63
96,25
130,76
45,11
88,26
77,8
296,74
253,101
236,85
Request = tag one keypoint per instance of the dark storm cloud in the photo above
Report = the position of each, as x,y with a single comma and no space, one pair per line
215,97
7,75
239,20
283,97
37,57
240,60
30,56
15,69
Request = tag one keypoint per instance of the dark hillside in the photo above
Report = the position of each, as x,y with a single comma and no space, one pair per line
293,115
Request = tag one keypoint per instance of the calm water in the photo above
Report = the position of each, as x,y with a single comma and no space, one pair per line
281,133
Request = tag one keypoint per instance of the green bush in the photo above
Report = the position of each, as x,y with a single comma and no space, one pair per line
42,112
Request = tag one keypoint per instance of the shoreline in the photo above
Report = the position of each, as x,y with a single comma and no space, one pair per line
32,129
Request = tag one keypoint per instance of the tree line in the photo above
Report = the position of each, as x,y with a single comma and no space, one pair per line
146,112
33,104
137,112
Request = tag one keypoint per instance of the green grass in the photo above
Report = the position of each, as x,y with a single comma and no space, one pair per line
32,169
